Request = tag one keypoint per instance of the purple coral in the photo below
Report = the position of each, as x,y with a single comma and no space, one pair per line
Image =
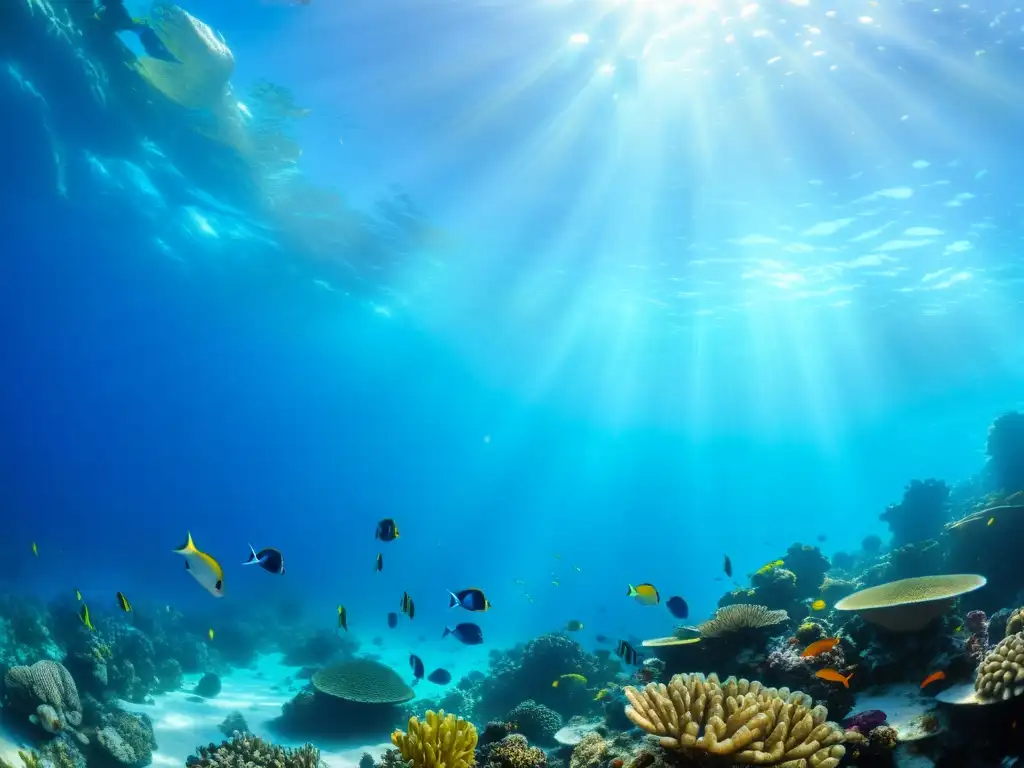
977,644
865,721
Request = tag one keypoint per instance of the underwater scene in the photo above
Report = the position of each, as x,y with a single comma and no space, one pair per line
511,384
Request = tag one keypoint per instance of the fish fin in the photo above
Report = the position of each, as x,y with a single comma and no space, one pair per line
253,558
630,592
454,600
446,633
188,547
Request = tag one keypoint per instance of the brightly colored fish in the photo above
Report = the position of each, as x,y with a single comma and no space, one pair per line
934,677
645,594
833,676
818,605
820,647
203,568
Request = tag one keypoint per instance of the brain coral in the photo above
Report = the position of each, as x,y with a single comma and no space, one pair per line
48,684
364,681
699,716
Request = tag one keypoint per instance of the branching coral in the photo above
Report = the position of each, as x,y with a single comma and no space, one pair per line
698,715
246,751
512,752
438,742
734,618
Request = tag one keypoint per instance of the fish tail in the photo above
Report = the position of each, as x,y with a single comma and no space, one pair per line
846,680
453,601
252,557
188,547
446,633
630,592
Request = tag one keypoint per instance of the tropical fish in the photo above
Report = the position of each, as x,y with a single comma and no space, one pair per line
440,677
270,560
818,605
819,647
471,599
209,633
78,595
934,677
572,677
728,567
35,549
990,521
577,569
387,530
84,616
677,607
833,676
601,694
626,652
392,620
645,594
574,625
417,666
556,582
528,596
408,607
203,568
378,564
123,602
342,618
467,634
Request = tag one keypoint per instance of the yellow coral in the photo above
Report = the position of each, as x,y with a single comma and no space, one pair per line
440,742
699,716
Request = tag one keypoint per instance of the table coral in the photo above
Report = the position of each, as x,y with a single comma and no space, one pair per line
699,715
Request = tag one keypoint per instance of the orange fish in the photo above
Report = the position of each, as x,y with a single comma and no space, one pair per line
934,677
832,676
815,649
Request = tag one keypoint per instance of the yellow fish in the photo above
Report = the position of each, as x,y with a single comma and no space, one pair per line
78,595
84,616
601,694
645,594
818,605
35,549
990,521
342,618
210,633
203,568
123,603
572,677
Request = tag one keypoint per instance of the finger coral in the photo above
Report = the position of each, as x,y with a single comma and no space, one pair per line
438,742
733,618
700,716
1001,674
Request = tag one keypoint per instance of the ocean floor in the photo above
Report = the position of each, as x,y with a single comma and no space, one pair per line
181,722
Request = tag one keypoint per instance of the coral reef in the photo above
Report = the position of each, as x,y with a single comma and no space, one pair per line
48,692
233,723
590,752
1005,450
438,741
318,649
809,565
909,605
1001,674
209,685
513,751
921,514
733,619
696,714
127,738
977,644
537,722
246,751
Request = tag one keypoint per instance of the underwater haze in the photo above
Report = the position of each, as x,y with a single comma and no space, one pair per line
580,295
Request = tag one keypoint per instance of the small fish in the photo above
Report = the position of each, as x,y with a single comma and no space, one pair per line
934,677
342,618
990,521
958,630
123,602
78,596
645,594
819,647
728,567
408,607
467,634
520,582
556,582
677,607
833,676
440,677
392,620
574,625
35,549
417,666
378,564
818,605
577,569
570,678
209,633
203,568
601,694
269,559
528,596
387,530
626,652
84,616
557,556
471,599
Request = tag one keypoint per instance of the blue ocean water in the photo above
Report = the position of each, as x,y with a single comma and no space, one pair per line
582,294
